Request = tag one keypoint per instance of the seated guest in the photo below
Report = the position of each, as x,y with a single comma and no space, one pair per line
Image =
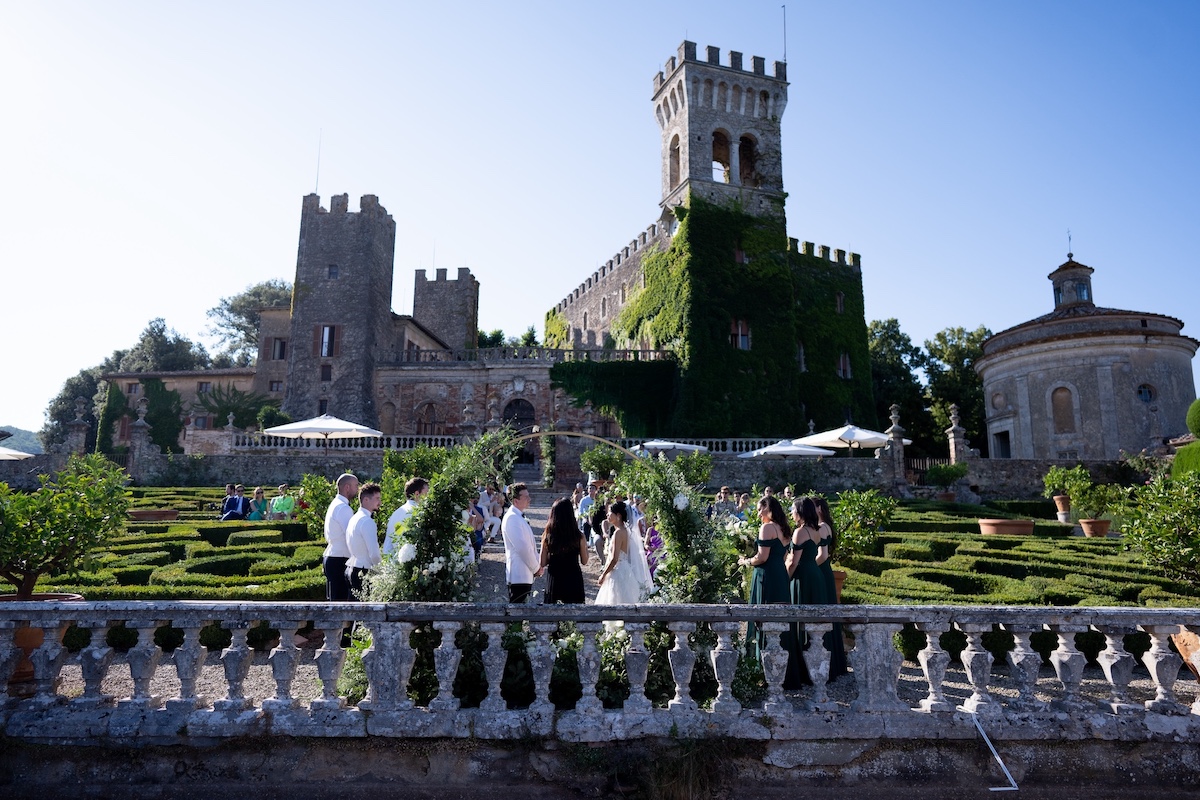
258,506
236,506
284,505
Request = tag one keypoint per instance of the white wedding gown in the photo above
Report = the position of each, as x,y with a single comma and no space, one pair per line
629,582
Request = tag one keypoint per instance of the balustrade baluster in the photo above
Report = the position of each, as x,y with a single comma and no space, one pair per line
934,661
143,662
977,662
284,659
94,661
1164,669
494,659
189,661
588,660
47,662
445,661
637,665
10,654
683,660
236,660
1024,664
541,660
1118,665
330,659
816,660
724,663
1068,665
1195,664
876,663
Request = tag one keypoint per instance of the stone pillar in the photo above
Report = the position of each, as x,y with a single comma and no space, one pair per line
960,448
77,429
892,456
468,428
140,445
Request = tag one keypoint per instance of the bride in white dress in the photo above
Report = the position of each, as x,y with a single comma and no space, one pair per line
626,577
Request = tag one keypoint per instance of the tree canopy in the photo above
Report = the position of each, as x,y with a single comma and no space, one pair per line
236,319
950,369
163,349
895,361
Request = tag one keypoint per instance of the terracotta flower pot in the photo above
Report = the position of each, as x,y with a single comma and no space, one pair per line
947,497
839,580
1063,503
1095,528
1006,527
152,514
20,683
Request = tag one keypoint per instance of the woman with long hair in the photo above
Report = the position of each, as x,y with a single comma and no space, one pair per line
564,554
808,583
626,576
769,583
834,642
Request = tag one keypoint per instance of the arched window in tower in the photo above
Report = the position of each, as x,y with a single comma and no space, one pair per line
1062,407
427,420
673,162
722,97
735,98
720,157
841,303
748,161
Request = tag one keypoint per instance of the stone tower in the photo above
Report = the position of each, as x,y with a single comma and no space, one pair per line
720,130
448,309
341,309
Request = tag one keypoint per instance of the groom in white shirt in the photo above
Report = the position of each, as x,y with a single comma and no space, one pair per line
521,561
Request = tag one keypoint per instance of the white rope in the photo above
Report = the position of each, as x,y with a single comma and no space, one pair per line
1012,787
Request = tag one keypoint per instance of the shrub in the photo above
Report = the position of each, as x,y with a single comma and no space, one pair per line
944,475
1193,418
1097,499
602,460
859,516
253,537
1060,480
1163,523
1187,460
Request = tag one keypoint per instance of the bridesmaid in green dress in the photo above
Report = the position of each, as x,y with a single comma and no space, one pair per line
834,642
769,583
808,583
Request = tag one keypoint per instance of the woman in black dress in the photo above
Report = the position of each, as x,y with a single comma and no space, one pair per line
564,552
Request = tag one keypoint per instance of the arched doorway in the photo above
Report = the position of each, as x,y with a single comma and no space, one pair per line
520,415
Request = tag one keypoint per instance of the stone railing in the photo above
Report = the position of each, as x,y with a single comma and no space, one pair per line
718,447
544,354
165,700
262,441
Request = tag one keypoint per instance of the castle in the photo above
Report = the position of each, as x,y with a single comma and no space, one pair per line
340,349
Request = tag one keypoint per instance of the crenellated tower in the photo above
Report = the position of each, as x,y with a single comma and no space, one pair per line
341,309
720,130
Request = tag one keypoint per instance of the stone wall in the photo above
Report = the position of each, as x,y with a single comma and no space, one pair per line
24,474
252,469
450,309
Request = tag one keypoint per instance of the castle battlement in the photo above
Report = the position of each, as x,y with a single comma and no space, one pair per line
339,204
464,274
826,253
687,52
613,265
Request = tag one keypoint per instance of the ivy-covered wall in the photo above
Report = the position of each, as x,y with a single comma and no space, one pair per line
723,267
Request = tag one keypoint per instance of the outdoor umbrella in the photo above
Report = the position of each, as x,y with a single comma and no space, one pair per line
7,454
658,445
323,427
848,436
786,449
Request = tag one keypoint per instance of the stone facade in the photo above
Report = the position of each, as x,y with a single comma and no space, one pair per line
1085,382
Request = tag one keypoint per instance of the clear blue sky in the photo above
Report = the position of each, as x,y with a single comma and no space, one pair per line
154,156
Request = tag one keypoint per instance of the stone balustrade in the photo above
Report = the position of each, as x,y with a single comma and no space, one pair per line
717,447
262,441
1039,708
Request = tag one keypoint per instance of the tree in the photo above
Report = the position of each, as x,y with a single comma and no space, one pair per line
162,349
493,339
950,368
529,338
236,319
894,364
224,400
61,410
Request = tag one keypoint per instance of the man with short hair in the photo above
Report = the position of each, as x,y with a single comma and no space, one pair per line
414,490
725,506
362,536
521,562
235,506
585,511
337,552
487,504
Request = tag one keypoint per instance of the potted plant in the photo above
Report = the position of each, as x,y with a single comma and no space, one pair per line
1094,501
53,531
1058,483
944,476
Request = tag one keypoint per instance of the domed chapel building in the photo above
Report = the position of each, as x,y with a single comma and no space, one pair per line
1085,382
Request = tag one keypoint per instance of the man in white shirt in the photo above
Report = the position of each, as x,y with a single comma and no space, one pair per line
521,562
362,536
414,490
337,518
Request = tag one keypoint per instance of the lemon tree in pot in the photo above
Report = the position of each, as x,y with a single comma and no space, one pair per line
1094,501
944,476
53,530
1058,482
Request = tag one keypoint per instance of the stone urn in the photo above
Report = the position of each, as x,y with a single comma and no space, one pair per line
1095,528
1006,527
20,683
1063,503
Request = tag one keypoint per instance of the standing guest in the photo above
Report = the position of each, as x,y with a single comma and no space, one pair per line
835,643
564,554
656,548
808,583
237,506
586,504
743,506
521,563
337,552
725,506
475,520
487,504
362,537
769,583
414,490
283,506
258,505
577,496
599,524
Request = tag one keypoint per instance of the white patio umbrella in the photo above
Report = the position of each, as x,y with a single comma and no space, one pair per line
848,436
659,445
8,454
786,449
323,427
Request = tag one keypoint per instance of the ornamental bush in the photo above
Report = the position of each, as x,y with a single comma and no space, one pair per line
1193,418
858,518
1163,523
